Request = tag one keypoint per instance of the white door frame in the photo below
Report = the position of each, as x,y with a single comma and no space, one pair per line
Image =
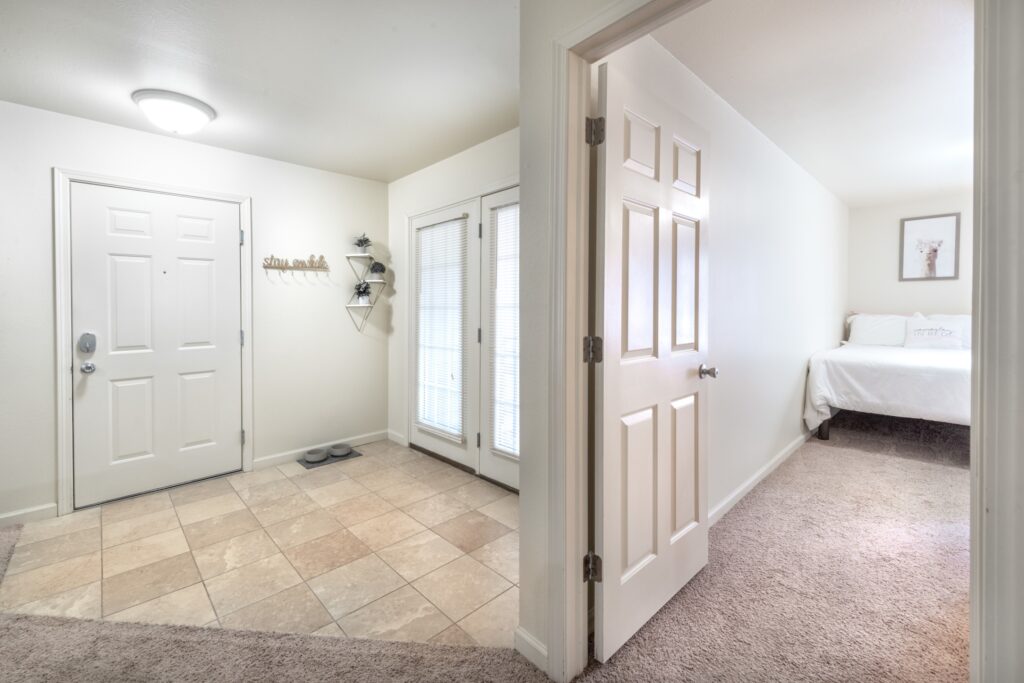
62,179
997,515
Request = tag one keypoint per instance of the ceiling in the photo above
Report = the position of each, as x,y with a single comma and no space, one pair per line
873,97
375,89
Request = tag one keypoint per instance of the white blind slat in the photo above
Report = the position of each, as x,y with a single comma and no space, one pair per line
504,317
440,326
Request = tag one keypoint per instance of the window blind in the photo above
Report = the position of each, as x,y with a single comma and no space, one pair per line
440,326
504,316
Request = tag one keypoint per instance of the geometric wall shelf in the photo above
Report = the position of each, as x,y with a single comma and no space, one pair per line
360,313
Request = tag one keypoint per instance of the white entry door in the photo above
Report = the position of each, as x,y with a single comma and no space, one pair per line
156,282
651,404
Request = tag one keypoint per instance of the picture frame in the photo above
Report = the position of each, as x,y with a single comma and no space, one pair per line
930,247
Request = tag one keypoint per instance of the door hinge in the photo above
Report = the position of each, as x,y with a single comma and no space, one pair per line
479,335
480,230
593,349
478,439
241,337
241,237
243,437
595,131
592,568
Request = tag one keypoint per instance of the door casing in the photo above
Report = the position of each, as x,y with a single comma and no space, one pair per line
62,179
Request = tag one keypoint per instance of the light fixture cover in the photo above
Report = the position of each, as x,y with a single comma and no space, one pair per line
174,112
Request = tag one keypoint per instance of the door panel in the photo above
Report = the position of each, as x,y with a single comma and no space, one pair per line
499,443
156,278
650,405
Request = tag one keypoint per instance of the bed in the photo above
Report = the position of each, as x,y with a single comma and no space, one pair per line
924,383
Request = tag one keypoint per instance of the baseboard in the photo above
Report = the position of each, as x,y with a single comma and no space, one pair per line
291,456
531,648
28,514
398,437
719,510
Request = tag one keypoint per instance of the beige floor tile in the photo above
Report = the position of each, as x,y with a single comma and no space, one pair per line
494,624
323,554
505,510
397,456
244,480
332,630
423,467
148,582
347,588
318,477
213,624
360,509
374,447
79,603
200,490
453,635
447,479
385,478
338,492
215,529
130,508
243,586
386,529
294,610
44,529
501,555
265,493
471,530
406,494
57,549
417,555
359,466
133,528
291,469
188,606
284,508
461,587
216,559
403,615
216,506
478,493
36,584
127,556
297,530
436,509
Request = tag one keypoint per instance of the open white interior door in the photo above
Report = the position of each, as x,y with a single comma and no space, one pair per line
650,404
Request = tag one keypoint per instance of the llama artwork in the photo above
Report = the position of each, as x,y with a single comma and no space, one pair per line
929,250
929,247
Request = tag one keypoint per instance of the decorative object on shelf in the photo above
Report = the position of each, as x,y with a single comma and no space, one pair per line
930,247
363,244
315,263
370,274
363,293
315,455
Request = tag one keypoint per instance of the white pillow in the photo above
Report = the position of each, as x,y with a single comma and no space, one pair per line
964,321
927,333
878,330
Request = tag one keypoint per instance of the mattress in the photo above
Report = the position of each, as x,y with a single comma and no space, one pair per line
928,384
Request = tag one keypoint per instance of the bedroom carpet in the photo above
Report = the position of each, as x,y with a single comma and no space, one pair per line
849,563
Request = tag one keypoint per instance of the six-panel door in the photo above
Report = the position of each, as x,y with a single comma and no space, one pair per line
156,279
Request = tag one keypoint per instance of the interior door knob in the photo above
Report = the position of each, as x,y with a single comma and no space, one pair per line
88,367
705,371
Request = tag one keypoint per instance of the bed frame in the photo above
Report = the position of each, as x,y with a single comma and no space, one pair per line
823,430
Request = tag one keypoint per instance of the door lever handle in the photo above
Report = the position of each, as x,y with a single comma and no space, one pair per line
704,371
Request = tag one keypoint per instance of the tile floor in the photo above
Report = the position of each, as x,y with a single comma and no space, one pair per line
392,545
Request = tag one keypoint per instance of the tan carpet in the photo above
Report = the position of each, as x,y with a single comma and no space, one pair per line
850,563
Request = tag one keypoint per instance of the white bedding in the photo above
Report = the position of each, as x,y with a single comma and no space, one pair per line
929,384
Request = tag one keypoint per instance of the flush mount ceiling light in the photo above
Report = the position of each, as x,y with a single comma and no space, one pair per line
174,112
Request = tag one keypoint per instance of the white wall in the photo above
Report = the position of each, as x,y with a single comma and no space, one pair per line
316,378
777,278
875,286
485,168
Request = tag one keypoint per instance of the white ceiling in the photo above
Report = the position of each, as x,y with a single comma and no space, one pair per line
374,88
873,97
